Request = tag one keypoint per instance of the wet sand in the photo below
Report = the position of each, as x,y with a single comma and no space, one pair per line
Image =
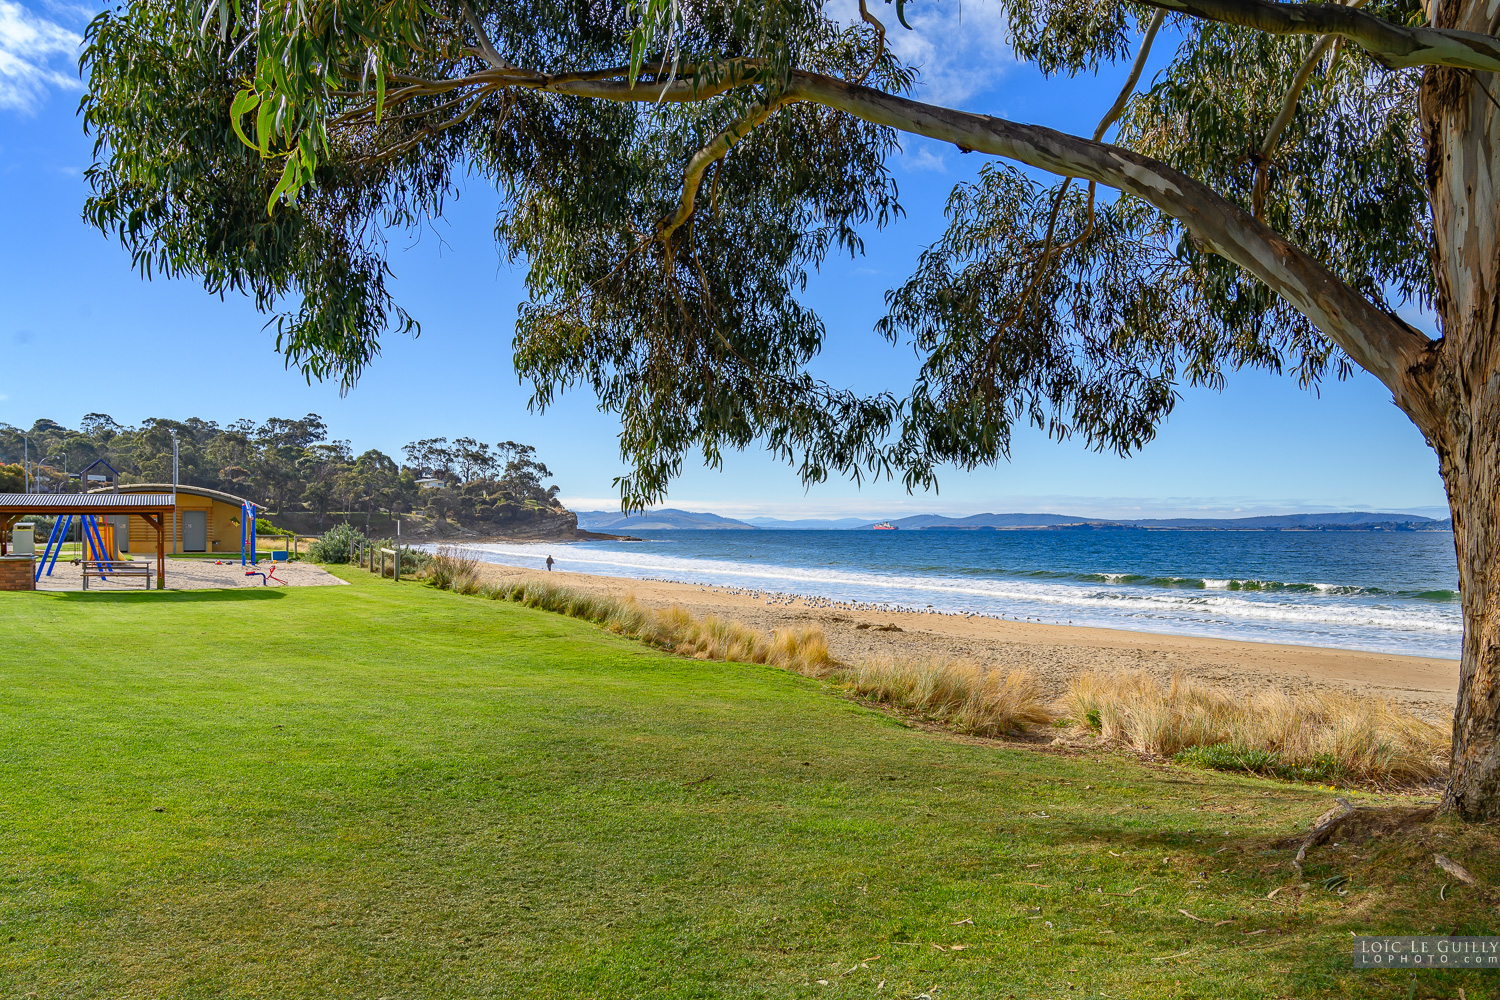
1426,685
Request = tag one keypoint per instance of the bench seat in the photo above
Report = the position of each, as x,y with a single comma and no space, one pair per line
104,569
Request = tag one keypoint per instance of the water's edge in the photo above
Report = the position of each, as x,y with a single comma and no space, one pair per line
1383,592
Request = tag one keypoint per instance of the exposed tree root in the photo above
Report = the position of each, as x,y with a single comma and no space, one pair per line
1356,823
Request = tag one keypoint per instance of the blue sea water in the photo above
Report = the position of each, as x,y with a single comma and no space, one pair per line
1385,591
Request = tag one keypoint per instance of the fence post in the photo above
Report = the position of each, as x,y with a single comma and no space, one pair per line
398,562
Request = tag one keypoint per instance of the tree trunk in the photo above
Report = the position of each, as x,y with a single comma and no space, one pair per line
1461,125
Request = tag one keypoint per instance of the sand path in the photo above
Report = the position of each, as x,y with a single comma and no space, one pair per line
196,574
1426,685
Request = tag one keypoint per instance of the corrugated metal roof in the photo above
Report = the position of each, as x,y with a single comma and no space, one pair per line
41,503
197,491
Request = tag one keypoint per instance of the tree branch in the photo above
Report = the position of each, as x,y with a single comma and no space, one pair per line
1288,108
1110,117
1392,45
486,50
873,21
712,152
1376,341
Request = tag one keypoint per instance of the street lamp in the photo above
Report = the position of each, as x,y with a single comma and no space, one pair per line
174,492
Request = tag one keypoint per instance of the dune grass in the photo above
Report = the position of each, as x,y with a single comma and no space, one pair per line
1318,736
385,790
673,629
962,694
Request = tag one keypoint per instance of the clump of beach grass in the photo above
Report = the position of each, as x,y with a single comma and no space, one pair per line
962,694
1320,736
454,569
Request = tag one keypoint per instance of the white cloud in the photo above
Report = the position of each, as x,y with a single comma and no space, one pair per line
917,154
35,56
961,49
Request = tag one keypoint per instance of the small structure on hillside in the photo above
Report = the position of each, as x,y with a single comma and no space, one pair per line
98,475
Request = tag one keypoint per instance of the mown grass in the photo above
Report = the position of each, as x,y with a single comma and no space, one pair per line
386,790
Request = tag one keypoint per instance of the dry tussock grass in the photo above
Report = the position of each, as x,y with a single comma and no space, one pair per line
454,569
963,694
1324,735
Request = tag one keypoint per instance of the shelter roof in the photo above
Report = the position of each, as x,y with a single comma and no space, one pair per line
85,503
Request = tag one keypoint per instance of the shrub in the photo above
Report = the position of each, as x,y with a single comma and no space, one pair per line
336,545
264,527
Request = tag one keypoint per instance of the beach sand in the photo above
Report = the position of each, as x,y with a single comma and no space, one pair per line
1426,685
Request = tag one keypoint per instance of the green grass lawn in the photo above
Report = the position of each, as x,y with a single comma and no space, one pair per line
384,790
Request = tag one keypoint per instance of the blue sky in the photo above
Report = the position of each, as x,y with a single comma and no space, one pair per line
81,332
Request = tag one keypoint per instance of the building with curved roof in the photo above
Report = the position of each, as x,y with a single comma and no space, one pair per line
207,520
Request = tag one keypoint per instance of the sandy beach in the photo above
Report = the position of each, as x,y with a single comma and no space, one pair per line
1428,686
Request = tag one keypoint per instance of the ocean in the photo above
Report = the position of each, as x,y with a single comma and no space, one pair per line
1382,591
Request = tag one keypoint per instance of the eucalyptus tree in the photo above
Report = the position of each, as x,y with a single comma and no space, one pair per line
672,171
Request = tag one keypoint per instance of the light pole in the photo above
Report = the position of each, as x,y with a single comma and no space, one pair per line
25,463
174,492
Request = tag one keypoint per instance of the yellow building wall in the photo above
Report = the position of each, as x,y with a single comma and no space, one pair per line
223,527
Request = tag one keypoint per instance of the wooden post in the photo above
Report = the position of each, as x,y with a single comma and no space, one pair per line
161,549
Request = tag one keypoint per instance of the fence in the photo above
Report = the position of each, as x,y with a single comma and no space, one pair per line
369,554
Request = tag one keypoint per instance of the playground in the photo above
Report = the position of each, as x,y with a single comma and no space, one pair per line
136,536
201,574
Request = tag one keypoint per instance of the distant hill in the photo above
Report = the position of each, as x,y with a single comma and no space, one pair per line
808,524
1343,521
1346,520
669,519
920,522
666,519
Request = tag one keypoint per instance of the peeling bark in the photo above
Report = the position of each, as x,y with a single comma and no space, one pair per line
1461,126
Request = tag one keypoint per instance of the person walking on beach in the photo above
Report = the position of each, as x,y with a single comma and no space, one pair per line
549,564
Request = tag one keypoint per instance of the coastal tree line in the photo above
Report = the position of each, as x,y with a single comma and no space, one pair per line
286,464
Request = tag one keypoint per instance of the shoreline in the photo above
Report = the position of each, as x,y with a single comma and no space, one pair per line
1055,653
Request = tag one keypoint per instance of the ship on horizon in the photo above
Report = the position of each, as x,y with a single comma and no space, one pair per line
884,526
